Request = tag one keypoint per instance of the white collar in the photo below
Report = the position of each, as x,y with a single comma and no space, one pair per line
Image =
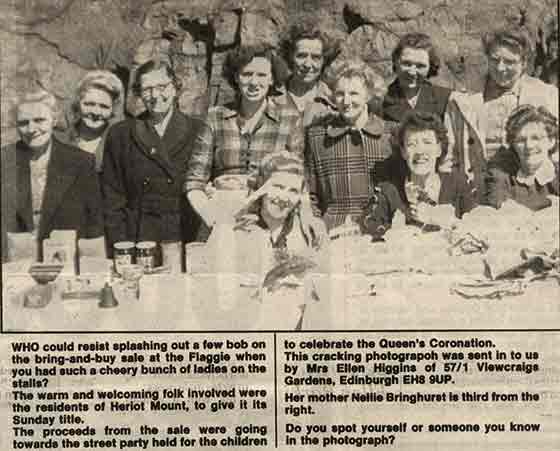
161,127
545,174
44,157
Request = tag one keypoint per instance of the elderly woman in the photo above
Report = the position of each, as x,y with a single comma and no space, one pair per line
97,104
144,163
344,149
422,140
532,136
47,185
237,136
308,50
415,61
478,120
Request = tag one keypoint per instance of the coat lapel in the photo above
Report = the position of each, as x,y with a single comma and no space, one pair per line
151,145
174,137
23,183
60,177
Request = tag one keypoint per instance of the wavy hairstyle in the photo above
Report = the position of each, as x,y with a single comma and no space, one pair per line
526,114
517,39
419,121
307,27
237,59
41,96
419,41
355,67
103,80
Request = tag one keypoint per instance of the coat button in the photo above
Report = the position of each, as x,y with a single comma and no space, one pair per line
153,151
170,181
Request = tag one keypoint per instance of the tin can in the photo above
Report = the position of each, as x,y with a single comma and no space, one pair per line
123,254
145,255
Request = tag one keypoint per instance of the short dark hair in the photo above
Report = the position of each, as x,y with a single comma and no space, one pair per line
422,120
551,69
306,27
239,58
518,39
152,66
525,114
418,41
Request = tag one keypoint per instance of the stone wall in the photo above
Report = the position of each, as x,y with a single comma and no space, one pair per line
52,43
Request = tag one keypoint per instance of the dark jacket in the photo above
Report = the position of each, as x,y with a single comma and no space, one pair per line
502,185
432,99
142,181
72,199
390,197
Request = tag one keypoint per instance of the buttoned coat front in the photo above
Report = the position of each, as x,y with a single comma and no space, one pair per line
142,181
338,160
71,201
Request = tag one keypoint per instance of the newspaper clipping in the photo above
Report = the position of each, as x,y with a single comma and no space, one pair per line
280,224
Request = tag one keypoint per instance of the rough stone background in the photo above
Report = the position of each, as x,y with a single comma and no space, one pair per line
52,43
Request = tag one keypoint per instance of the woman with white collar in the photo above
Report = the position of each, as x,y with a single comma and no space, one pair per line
477,121
532,135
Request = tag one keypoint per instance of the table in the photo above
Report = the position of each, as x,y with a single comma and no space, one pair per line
211,302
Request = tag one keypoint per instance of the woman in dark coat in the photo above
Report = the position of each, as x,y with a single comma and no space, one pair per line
414,62
46,185
144,165
418,186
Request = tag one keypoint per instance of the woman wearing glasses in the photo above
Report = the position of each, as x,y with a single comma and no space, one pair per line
478,120
144,161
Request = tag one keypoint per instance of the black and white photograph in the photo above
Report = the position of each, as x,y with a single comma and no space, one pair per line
290,165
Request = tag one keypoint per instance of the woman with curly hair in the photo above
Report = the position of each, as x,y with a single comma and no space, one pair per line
344,149
97,104
530,177
308,50
422,145
477,121
415,61
237,136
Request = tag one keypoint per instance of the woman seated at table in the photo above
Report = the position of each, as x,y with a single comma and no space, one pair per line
344,149
531,176
237,136
274,215
422,140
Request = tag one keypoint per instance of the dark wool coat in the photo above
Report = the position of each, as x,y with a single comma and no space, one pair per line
432,99
72,199
142,181
390,197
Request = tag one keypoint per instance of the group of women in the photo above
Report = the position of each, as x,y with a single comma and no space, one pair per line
304,138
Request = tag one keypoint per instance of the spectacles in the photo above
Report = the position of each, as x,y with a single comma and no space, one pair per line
150,90
507,62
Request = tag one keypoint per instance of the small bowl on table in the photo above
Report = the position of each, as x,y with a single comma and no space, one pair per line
41,294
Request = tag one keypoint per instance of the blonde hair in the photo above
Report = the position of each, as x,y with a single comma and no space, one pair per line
354,67
105,81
